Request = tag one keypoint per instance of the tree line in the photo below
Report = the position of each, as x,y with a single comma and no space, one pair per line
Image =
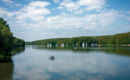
7,40
117,39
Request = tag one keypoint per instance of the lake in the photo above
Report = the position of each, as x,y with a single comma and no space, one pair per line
91,63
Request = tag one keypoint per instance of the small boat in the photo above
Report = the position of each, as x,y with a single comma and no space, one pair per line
52,58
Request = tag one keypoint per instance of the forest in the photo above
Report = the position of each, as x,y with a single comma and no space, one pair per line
7,40
122,39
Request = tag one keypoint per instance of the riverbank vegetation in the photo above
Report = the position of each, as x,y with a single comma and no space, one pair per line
122,39
7,40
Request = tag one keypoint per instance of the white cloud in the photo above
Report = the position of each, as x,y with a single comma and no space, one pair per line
35,19
66,22
92,4
49,25
125,14
56,1
70,6
10,3
5,13
39,4
34,11
89,21
82,5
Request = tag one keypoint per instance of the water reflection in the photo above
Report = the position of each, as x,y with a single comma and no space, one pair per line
6,63
6,56
17,50
70,64
6,70
123,51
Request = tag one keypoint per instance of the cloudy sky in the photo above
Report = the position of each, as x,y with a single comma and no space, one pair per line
42,19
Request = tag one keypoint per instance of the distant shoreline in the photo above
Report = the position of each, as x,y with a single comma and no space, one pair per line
122,39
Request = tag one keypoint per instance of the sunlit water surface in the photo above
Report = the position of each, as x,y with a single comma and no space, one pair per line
69,64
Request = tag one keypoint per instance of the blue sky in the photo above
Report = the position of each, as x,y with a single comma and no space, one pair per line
42,19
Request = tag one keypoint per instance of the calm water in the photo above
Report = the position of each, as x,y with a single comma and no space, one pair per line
69,64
